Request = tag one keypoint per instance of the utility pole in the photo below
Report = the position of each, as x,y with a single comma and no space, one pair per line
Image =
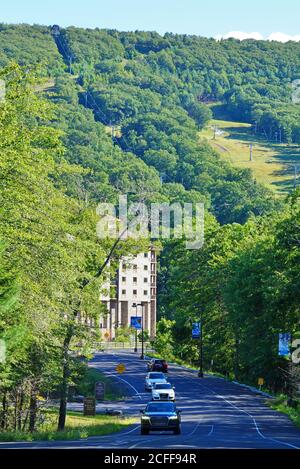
70,64
112,134
251,151
215,131
200,372
295,175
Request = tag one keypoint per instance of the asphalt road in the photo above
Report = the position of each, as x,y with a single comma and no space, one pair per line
215,413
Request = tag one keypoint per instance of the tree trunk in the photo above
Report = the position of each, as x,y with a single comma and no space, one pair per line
4,411
32,410
16,411
63,399
20,410
64,389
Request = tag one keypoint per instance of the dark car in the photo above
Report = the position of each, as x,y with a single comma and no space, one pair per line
158,365
160,416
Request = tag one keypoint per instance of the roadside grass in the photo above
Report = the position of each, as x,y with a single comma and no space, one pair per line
77,426
272,164
280,404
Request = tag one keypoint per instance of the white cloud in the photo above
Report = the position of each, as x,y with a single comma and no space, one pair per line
241,35
281,37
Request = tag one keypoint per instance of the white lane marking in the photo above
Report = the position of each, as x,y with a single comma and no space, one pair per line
192,433
125,381
211,432
138,443
251,416
133,430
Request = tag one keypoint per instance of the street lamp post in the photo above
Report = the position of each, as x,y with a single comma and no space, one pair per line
134,305
135,345
200,372
142,355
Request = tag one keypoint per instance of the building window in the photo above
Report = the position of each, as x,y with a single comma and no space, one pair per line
152,267
145,267
134,292
145,280
134,267
123,279
152,278
124,267
145,292
145,254
123,292
134,279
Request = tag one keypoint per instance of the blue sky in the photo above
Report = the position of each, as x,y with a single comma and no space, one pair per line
201,17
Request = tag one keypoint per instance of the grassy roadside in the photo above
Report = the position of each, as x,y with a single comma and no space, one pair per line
280,404
77,426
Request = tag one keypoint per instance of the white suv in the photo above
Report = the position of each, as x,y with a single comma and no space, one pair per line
163,392
152,378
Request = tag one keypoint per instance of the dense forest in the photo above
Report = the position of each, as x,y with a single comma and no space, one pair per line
91,114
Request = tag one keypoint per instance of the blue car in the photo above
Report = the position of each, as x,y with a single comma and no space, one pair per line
160,416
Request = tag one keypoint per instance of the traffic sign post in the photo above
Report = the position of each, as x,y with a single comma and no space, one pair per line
99,391
120,368
89,406
261,382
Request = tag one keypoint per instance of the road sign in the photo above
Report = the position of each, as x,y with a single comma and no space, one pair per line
99,391
284,344
136,322
261,381
120,368
89,406
196,330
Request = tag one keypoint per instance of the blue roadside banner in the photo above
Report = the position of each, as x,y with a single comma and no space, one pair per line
136,322
196,330
284,344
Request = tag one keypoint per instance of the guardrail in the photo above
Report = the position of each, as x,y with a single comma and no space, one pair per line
123,346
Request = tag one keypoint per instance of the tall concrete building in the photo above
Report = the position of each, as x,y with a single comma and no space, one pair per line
134,284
